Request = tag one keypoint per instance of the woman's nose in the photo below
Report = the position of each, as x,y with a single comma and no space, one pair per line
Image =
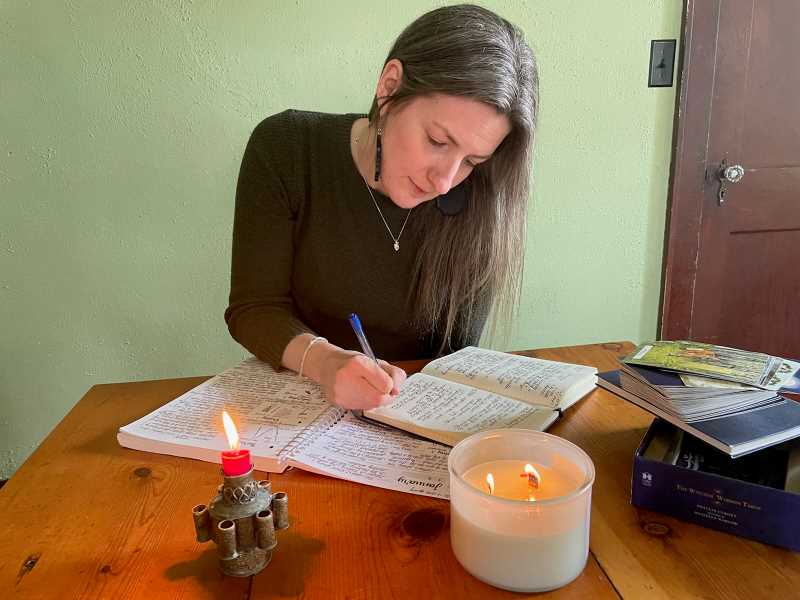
444,174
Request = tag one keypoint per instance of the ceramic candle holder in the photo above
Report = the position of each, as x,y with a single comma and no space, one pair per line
242,520
528,534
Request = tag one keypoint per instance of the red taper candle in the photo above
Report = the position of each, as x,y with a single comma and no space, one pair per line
234,461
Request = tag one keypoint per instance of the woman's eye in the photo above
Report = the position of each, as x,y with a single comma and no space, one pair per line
436,143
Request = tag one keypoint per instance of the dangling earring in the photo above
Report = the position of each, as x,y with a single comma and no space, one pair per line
378,151
454,201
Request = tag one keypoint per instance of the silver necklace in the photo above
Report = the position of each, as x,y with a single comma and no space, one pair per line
378,208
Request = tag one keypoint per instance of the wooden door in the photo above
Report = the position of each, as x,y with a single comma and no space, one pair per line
731,273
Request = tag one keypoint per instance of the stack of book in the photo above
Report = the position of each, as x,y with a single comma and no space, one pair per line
729,398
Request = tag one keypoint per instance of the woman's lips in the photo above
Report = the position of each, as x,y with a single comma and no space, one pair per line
419,190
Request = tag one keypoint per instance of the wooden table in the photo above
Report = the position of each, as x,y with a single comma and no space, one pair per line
85,518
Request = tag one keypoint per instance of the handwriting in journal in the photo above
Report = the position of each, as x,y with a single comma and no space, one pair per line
434,484
376,455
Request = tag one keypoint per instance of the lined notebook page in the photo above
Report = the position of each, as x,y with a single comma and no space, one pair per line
438,404
533,380
372,454
270,408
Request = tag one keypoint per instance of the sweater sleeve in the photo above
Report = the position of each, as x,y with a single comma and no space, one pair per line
261,315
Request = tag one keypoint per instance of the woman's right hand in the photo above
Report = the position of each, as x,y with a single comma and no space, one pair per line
352,380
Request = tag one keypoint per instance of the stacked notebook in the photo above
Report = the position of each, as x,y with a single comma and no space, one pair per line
729,398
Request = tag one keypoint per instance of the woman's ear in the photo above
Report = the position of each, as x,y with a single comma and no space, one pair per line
389,81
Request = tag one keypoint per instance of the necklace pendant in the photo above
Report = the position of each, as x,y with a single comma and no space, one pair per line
396,246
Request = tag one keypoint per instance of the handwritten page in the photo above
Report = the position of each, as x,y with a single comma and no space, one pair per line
533,380
372,454
269,408
443,406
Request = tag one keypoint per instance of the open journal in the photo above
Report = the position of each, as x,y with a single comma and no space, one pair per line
286,422
476,389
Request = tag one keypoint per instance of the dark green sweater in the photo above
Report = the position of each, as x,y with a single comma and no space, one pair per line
309,247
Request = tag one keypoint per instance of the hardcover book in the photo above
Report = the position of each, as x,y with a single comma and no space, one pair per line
737,433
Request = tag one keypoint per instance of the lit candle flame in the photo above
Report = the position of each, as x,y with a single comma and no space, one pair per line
230,431
490,483
534,479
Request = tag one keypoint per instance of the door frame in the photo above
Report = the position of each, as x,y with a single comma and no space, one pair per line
687,192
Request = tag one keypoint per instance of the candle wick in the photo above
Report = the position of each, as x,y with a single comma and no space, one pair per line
490,484
534,479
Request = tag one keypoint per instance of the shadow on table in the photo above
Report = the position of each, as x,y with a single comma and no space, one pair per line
291,564
206,574
285,575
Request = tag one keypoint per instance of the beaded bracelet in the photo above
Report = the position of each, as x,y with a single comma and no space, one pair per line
303,360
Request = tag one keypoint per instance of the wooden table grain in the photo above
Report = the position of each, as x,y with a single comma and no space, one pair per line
85,518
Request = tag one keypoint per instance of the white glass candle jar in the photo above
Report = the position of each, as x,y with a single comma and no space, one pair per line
526,535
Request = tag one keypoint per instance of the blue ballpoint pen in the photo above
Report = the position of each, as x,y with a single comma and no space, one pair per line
355,322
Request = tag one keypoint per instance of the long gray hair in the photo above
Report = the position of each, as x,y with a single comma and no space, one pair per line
476,256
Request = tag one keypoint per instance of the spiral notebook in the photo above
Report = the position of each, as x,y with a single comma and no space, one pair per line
286,422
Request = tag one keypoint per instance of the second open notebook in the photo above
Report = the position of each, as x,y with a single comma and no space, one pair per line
476,389
286,421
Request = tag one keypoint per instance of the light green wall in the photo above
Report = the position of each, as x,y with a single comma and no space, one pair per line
121,129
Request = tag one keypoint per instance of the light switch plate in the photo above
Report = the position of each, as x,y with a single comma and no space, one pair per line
662,63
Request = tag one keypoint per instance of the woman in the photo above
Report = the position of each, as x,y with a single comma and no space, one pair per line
413,216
